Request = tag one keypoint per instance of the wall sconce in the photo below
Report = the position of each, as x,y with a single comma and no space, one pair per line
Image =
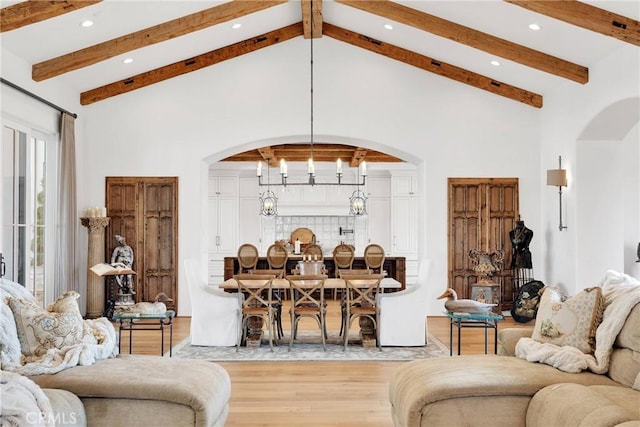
558,178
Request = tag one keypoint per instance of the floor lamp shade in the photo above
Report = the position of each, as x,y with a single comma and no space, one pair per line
557,177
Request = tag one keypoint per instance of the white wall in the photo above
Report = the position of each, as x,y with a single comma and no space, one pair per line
601,199
177,127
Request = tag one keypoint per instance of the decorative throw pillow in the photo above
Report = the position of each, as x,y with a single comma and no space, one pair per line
39,329
572,322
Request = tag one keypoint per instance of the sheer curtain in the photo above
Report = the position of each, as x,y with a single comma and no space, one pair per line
66,266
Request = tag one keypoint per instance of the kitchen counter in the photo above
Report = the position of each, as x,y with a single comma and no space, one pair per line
394,266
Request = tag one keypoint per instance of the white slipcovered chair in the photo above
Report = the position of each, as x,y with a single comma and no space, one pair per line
214,313
403,314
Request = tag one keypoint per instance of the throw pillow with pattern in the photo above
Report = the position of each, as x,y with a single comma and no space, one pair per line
39,329
572,322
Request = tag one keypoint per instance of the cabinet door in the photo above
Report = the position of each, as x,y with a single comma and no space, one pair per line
227,213
404,185
249,226
379,216
404,225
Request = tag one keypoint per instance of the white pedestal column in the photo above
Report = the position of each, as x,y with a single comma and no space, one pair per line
95,255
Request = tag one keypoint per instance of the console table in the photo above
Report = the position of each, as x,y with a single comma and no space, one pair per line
394,266
466,320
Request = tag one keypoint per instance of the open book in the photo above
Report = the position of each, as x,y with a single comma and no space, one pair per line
104,269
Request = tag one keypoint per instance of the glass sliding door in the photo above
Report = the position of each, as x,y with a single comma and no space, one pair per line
26,216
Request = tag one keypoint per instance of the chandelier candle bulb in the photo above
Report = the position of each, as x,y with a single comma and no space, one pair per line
283,167
339,167
311,168
363,168
259,169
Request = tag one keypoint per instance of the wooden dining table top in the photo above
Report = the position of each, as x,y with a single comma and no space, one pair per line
331,283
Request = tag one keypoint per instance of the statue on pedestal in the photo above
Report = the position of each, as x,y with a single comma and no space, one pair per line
123,255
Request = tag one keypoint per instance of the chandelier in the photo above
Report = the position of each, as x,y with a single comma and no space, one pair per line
357,201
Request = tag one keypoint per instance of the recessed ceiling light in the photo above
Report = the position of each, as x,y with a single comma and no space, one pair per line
495,63
87,23
534,27
127,60
236,26
388,26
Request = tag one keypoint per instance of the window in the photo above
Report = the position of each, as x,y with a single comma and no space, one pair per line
28,194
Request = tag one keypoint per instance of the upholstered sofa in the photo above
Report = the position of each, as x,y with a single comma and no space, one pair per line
503,390
111,391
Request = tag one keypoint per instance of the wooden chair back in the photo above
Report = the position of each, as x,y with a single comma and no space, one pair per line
277,257
374,257
255,292
343,256
361,291
314,249
247,257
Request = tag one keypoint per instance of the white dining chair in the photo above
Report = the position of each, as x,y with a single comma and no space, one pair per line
214,313
403,314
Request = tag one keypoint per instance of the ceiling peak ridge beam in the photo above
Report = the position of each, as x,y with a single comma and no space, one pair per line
192,64
31,12
473,38
588,17
316,7
433,65
147,37
268,155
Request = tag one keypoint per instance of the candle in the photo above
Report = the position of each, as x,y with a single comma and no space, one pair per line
310,167
363,167
259,170
283,167
339,166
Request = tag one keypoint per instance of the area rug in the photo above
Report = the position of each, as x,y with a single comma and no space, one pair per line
307,347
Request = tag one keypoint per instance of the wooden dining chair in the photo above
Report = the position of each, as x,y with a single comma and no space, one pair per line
374,257
361,291
307,300
343,303
247,257
256,296
343,256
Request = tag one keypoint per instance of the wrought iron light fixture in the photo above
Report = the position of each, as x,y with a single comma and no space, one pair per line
357,201
558,178
268,199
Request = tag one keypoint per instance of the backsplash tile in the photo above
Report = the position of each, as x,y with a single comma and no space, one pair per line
326,229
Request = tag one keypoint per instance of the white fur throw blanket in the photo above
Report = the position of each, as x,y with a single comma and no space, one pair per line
23,402
99,341
621,293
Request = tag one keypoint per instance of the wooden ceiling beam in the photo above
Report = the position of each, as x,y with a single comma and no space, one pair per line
309,8
149,36
191,64
586,16
31,12
434,65
359,154
268,156
473,38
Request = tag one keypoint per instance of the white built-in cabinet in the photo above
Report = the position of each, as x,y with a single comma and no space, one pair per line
379,212
404,214
223,223
249,228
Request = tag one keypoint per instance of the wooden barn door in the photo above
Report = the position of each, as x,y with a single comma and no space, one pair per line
482,211
145,211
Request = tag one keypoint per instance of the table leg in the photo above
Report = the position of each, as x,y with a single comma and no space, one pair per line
170,337
130,336
120,337
162,338
486,336
495,337
459,328
451,337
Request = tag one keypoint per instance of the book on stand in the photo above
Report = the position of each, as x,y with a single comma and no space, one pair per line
115,269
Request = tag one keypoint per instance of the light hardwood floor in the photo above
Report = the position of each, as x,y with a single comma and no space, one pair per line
311,393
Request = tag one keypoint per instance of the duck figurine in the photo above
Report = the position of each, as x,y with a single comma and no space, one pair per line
455,305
